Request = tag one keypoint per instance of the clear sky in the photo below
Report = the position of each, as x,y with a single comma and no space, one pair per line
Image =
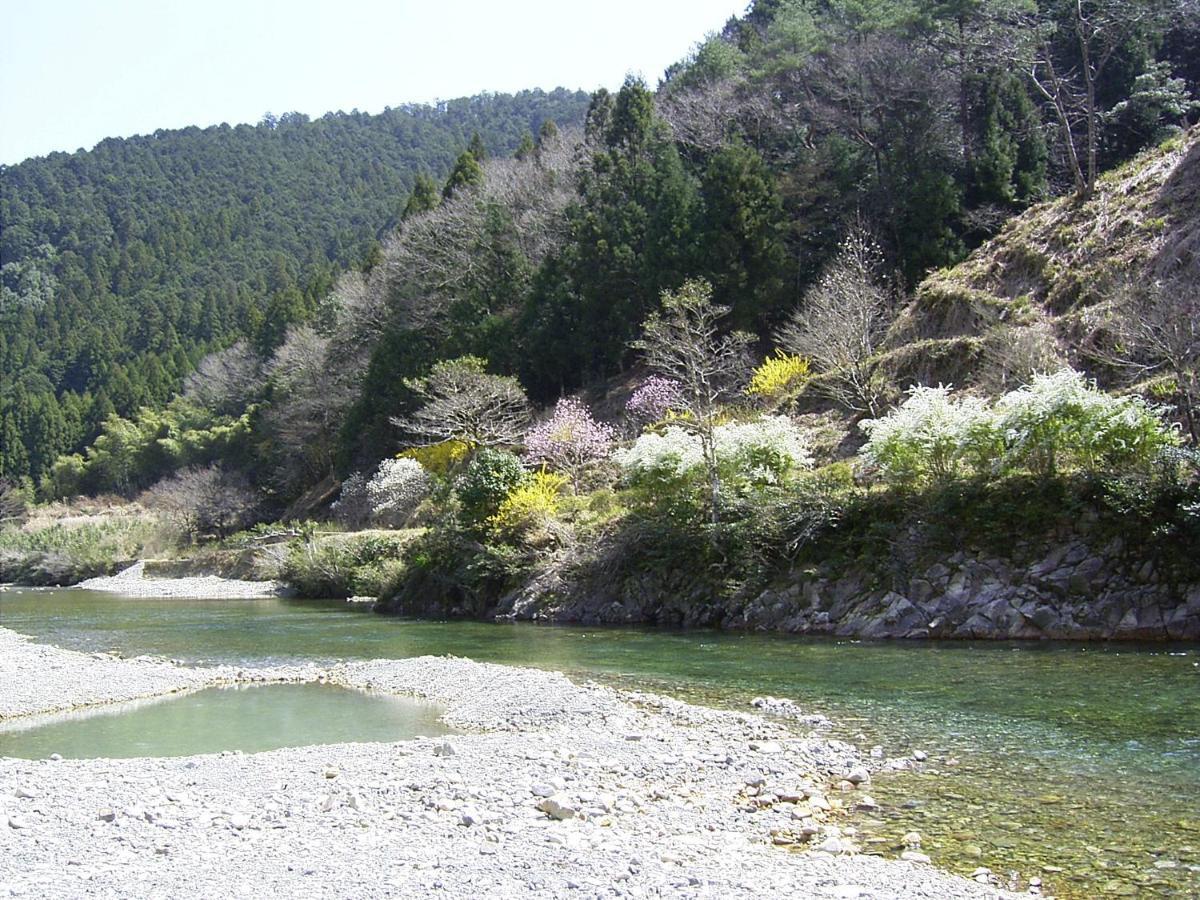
73,72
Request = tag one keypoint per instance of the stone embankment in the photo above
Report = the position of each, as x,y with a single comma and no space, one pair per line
1072,593
1070,590
557,790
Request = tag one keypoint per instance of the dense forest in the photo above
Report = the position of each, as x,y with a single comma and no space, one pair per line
925,125
125,264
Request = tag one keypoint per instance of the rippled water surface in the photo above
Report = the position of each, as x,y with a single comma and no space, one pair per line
1076,764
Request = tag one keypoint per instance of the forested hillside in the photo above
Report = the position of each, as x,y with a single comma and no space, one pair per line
808,159
123,265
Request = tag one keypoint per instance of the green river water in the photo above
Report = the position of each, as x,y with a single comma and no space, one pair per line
1075,763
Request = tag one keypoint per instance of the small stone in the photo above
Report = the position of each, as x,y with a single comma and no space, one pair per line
634,736
831,845
912,839
920,755
445,748
557,807
331,772
541,789
55,757
24,793
858,775
914,856
866,802
16,822
818,801
469,816
107,815
239,821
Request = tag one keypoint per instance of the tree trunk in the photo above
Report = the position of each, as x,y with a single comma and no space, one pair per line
964,99
1089,81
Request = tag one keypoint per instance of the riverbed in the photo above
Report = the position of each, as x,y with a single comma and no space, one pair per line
1075,764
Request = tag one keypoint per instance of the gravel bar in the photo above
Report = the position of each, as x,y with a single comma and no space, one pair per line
132,582
554,789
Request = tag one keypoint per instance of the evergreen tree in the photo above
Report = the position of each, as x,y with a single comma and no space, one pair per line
466,172
631,234
742,235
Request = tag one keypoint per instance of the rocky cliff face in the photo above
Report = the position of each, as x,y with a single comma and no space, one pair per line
1072,589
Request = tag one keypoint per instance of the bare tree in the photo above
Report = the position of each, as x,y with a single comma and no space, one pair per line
226,381
1157,330
204,501
684,342
841,323
357,309
1100,28
462,401
311,397
439,257
1014,355
704,115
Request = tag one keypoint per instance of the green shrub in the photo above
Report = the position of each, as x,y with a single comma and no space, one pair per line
344,565
489,478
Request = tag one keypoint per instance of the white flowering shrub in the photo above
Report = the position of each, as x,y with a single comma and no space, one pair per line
931,436
352,507
396,488
760,452
1063,420
672,454
1058,420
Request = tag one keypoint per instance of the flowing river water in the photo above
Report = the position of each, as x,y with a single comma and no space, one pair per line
1078,764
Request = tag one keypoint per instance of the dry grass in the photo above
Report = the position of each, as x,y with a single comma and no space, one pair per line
1059,262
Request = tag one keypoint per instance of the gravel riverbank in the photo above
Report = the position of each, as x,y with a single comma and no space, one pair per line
132,582
557,790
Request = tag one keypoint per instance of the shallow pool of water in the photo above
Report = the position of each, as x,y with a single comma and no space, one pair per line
1083,758
249,718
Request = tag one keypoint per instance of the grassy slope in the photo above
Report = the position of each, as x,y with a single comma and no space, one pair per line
1056,266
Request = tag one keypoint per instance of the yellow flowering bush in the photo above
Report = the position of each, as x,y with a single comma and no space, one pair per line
777,374
438,458
531,503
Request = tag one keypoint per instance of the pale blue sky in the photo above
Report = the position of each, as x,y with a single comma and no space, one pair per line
73,72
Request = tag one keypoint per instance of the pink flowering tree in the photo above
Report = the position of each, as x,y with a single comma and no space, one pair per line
654,398
570,440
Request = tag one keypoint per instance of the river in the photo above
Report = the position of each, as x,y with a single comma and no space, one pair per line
1075,763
